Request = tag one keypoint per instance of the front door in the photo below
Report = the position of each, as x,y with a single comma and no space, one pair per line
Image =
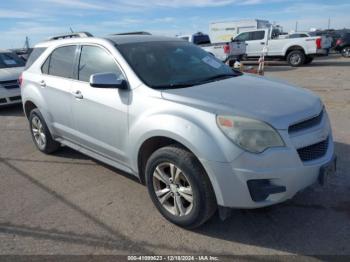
100,114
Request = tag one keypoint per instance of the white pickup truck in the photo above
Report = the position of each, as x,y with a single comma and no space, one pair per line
224,51
296,51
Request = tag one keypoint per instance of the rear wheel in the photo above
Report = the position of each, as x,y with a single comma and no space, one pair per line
41,134
179,187
296,58
345,52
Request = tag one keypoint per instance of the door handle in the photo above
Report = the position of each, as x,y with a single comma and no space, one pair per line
77,94
42,83
262,43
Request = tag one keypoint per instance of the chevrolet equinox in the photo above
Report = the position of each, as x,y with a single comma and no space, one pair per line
201,136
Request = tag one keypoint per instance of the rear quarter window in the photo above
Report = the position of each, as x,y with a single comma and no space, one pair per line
34,56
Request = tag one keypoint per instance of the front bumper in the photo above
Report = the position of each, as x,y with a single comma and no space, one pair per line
10,96
282,167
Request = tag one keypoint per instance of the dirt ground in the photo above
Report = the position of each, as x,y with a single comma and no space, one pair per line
68,203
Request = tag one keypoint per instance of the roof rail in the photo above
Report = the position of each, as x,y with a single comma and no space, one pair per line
134,33
71,35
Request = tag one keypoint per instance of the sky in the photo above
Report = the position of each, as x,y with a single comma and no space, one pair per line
40,19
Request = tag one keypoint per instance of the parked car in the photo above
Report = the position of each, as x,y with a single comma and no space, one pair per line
226,51
200,135
296,51
11,66
343,45
335,34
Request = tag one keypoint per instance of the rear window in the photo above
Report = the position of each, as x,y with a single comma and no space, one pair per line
201,39
9,60
35,55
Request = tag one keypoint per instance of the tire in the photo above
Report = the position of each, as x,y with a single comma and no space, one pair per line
296,58
190,176
308,60
345,52
40,133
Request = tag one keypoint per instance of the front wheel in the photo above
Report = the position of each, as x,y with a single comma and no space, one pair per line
179,187
345,52
296,58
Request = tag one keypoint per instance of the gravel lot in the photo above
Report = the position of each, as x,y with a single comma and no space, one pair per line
68,203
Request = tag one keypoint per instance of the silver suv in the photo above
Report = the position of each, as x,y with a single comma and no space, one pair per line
201,136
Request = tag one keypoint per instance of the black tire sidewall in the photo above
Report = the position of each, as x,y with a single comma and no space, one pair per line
162,156
302,58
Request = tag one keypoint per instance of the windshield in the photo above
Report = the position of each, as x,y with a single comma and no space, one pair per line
8,60
177,64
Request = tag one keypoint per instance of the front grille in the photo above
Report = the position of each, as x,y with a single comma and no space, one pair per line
9,84
306,124
3,101
15,98
314,151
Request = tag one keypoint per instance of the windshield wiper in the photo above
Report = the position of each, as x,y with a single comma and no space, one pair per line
174,86
198,82
217,77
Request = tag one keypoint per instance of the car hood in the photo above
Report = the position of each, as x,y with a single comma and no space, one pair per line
8,74
274,102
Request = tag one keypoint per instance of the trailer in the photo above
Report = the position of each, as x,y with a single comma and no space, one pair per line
220,32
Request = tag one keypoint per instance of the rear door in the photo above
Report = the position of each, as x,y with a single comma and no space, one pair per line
55,85
100,114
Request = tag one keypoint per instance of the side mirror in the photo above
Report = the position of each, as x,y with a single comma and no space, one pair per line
107,80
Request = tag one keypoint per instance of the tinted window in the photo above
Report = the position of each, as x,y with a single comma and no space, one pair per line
34,56
201,39
173,64
257,35
8,60
61,62
95,60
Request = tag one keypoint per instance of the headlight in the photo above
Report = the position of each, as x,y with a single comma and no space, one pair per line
251,135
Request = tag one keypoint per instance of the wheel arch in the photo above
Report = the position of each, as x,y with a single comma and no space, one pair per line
293,48
154,143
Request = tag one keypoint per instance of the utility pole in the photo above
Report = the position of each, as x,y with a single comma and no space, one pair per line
296,26
329,23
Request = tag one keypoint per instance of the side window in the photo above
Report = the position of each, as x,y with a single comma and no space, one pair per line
257,35
95,60
61,62
243,37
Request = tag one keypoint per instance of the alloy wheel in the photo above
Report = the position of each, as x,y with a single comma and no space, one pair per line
346,52
295,59
38,132
173,189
